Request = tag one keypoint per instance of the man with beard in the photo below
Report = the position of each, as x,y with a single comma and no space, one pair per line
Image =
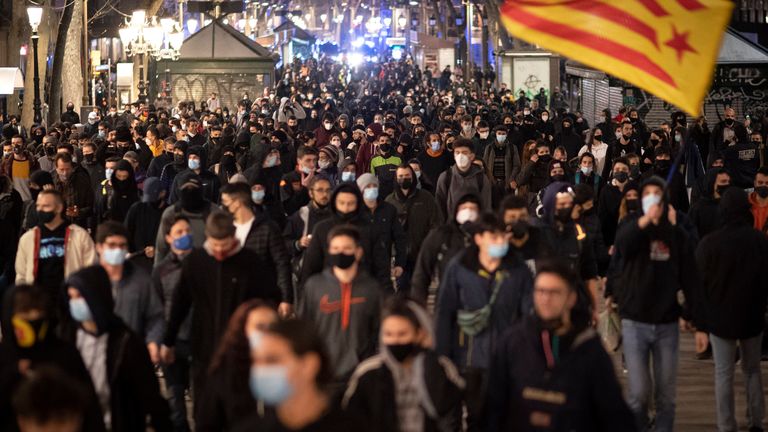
298,229
527,240
550,371
75,187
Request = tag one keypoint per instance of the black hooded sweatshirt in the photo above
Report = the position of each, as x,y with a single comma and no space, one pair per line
731,301
134,390
704,212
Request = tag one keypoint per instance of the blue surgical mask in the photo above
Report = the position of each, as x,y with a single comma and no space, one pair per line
586,170
435,145
114,256
498,250
270,384
258,196
193,164
371,194
108,173
79,310
183,243
348,176
254,339
649,201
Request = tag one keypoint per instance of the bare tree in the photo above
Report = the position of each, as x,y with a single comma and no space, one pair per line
54,100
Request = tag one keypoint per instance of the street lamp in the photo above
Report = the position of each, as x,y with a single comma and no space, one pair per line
35,14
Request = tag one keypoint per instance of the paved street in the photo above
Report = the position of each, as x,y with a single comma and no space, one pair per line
696,391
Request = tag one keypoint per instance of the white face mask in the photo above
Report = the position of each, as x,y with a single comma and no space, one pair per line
544,118
618,135
466,215
324,164
327,126
462,161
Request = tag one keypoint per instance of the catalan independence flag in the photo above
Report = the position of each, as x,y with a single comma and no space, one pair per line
667,47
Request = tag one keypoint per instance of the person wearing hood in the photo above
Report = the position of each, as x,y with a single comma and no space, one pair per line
227,165
367,149
31,345
344,302
759,199
228,398
704,213
117,197
482,292
116,358
463,178
585,215
535,173
386,229
328,161
165,279
143,221
325,130
571,241
609,200
347,171
196,166
192,205
678,194
53,249
38,181
160,161
730,306
587,174
215,280
289,108
136,300
502,162
177,165
298,229
406,386
657,263
75,186
726,133
255,231
568,137
550,371
346,209
417,213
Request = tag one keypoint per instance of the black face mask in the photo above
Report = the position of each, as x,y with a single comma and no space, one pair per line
346,217
228,162
626,137
654,142
17,150
88,158
729,122
621,176
634,171
341,260
519,229
178,159
762,191
755,143
402,351
385,148
406,183
563,215
721,189
558,178
633,205
44,217
50,150
663,165
598,138
545,159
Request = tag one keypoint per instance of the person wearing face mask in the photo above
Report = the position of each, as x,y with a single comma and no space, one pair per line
598,147
484,290
662,165
293,186
292,376
658,263
725,133
228,398
116,358
192,205
407,386
704,213
298,229
526,239
586,173
19,167
742,160
462,179
502,162
344,302
609,200
324,131
483,138
31,346
227,166
367,149
572,242
167,156
759,199
585,215
113,202
197,167
435,159
328,161
255,231
224,270
54,249
136,302
347,170
545,355
535,172
39,180
568,137
384,165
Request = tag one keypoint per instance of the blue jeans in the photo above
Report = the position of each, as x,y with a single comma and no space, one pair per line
643,342
724,354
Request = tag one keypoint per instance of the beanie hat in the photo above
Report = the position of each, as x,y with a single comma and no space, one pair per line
367,179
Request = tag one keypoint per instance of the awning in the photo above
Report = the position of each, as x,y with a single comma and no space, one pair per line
10,80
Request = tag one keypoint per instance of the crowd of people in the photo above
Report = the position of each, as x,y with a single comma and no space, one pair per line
380,248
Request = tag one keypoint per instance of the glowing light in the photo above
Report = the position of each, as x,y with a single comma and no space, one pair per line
357,43
192,26
355,59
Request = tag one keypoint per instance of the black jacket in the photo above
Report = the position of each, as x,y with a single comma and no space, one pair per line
579,393
442,243
417,213
608,212
731,301
227,398
371,394
658,261
388,233
215,289
265,239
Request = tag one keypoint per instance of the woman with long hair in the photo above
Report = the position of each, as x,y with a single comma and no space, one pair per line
227,399
599,148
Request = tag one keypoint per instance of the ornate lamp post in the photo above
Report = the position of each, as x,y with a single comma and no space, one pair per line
35,14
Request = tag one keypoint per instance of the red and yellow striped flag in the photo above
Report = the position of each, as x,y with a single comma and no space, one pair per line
667,47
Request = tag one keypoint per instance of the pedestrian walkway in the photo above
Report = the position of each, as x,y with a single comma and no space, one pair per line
696,391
